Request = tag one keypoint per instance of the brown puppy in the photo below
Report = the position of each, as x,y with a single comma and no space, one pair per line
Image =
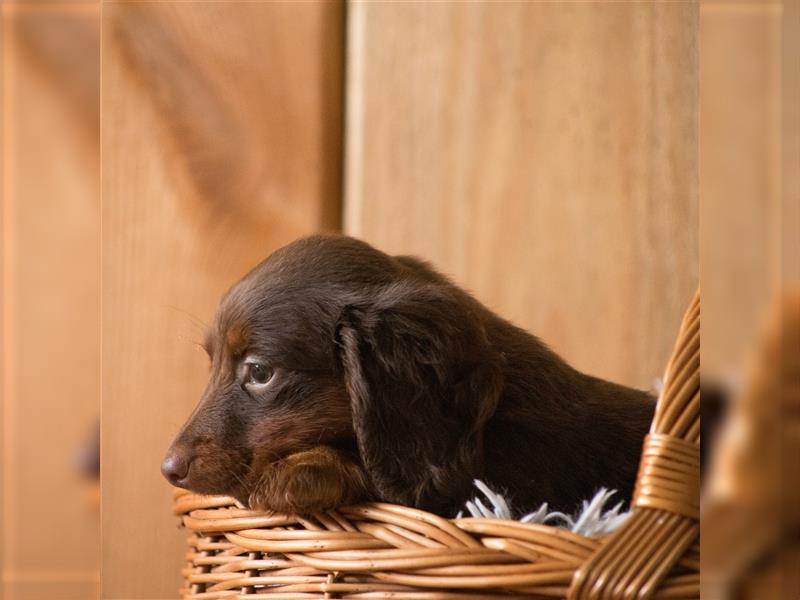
339,373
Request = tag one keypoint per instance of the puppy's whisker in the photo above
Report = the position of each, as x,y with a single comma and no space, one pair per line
193,319
191,316
240,480
200,345
190,340
248,471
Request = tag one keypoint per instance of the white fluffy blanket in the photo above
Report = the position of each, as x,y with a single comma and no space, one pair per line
594,518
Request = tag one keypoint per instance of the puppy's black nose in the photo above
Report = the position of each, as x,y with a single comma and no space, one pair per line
175,468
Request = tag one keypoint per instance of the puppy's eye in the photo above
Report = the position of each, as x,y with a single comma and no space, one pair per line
257,374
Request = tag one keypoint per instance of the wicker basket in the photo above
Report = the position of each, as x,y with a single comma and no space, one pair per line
387,551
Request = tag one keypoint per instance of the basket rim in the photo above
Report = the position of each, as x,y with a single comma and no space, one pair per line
403,548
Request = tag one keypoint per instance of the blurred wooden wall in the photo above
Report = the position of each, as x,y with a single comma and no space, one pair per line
748,195
544,155
221,142
750,249
49,523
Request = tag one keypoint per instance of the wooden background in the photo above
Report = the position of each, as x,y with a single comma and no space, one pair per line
748,197
49,525
543,154
221,142
749,232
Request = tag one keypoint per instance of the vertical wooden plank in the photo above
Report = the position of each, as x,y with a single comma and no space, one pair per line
50,298
790,127
221,136
749,74
4,289
543,154
740,162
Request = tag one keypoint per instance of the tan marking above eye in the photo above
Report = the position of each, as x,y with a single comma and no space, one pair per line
237,337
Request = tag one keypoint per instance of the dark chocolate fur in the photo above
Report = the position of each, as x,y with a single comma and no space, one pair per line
391,383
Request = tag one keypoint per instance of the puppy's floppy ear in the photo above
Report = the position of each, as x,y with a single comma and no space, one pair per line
423,380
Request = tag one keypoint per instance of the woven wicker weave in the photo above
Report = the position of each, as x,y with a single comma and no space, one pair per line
387,551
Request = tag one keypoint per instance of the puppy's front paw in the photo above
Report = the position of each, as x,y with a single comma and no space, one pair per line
309,482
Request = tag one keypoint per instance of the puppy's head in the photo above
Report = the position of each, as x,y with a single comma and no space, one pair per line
331,342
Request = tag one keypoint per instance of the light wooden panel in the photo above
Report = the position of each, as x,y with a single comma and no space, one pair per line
221,137
50,299
740,172
544,154
750,250
790,146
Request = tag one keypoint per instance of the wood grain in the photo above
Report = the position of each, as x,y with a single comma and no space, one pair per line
750,252
50,300
740,113
543,154
221,136
790,145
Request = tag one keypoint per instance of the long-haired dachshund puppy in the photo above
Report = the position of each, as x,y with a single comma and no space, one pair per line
340,373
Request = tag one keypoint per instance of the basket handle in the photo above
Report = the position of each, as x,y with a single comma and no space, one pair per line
666,505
